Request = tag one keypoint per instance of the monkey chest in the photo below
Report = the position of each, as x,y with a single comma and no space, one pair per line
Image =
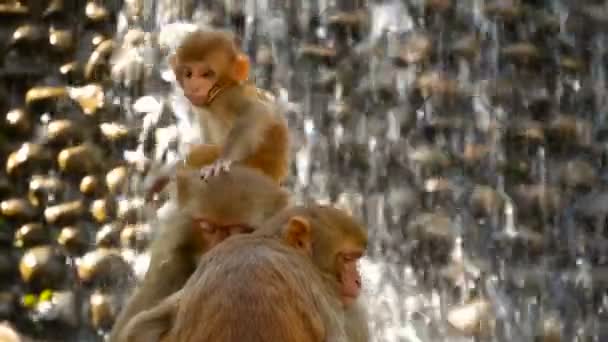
214,130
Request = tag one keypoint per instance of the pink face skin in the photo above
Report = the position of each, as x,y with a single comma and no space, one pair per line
350,279
197,79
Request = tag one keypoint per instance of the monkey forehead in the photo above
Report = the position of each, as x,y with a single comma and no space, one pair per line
199,45
215,62
338,222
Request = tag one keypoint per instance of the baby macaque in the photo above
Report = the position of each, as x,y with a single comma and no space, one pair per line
209,212
241,124
294,279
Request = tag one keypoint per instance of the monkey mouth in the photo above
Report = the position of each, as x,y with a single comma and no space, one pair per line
197,100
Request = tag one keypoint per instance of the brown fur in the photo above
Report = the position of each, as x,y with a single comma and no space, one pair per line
253,132
260,287
289,301
243,196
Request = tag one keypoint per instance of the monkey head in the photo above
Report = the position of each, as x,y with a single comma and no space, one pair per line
334,241
206,62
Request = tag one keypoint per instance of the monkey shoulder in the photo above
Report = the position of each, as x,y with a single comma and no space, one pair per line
246,98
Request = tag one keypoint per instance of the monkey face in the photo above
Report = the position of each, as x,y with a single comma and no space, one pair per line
197,79
213,233
348,275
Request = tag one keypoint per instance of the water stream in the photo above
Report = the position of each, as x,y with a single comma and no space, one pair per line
469,135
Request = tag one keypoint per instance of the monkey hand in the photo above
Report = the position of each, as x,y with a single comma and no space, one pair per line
219,166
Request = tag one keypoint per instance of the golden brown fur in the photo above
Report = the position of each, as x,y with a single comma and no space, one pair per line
242,126
244,196
260,286
289,302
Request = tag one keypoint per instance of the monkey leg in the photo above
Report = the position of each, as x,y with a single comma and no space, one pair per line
198,156
272,156
202,155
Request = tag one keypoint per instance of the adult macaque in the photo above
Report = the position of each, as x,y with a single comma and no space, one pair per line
240,123
209,212
295,279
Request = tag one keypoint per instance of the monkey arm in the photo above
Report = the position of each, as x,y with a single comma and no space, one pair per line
152,324
247,132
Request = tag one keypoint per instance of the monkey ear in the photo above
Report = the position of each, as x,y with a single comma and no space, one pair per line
241,68
298,235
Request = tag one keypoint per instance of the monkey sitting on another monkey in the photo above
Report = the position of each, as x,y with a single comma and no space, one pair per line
242,125
293,280
208,213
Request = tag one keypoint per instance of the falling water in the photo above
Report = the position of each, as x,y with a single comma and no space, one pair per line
469,135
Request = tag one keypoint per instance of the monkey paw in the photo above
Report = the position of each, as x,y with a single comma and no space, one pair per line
221,165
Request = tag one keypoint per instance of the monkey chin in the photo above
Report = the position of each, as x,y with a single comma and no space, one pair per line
197,100
347,300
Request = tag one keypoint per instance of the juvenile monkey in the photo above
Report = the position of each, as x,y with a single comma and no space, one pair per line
242,125
294,280
208,213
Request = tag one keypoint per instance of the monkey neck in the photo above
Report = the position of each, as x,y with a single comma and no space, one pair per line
219,88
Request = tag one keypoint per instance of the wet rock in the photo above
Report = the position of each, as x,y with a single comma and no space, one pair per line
45,189
103,310
64,213
17,209
352,20
129,209
318,53
45,94
115,132
108,236
550,330
578,174
434,238
436,84
116,179
91,185
73,72
30,235
19,122
103,210
504,9
13,9
61,40
58,307
8,333
537,200
472,318
467,46
42,268
73,240
485,201
135,236
64,132
90,97
98,59
55,8
569,130
81,159
28,158
417,48
8,267
28,34
524,52
104,267
96,12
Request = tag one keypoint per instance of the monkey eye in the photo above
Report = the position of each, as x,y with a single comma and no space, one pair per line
209,74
